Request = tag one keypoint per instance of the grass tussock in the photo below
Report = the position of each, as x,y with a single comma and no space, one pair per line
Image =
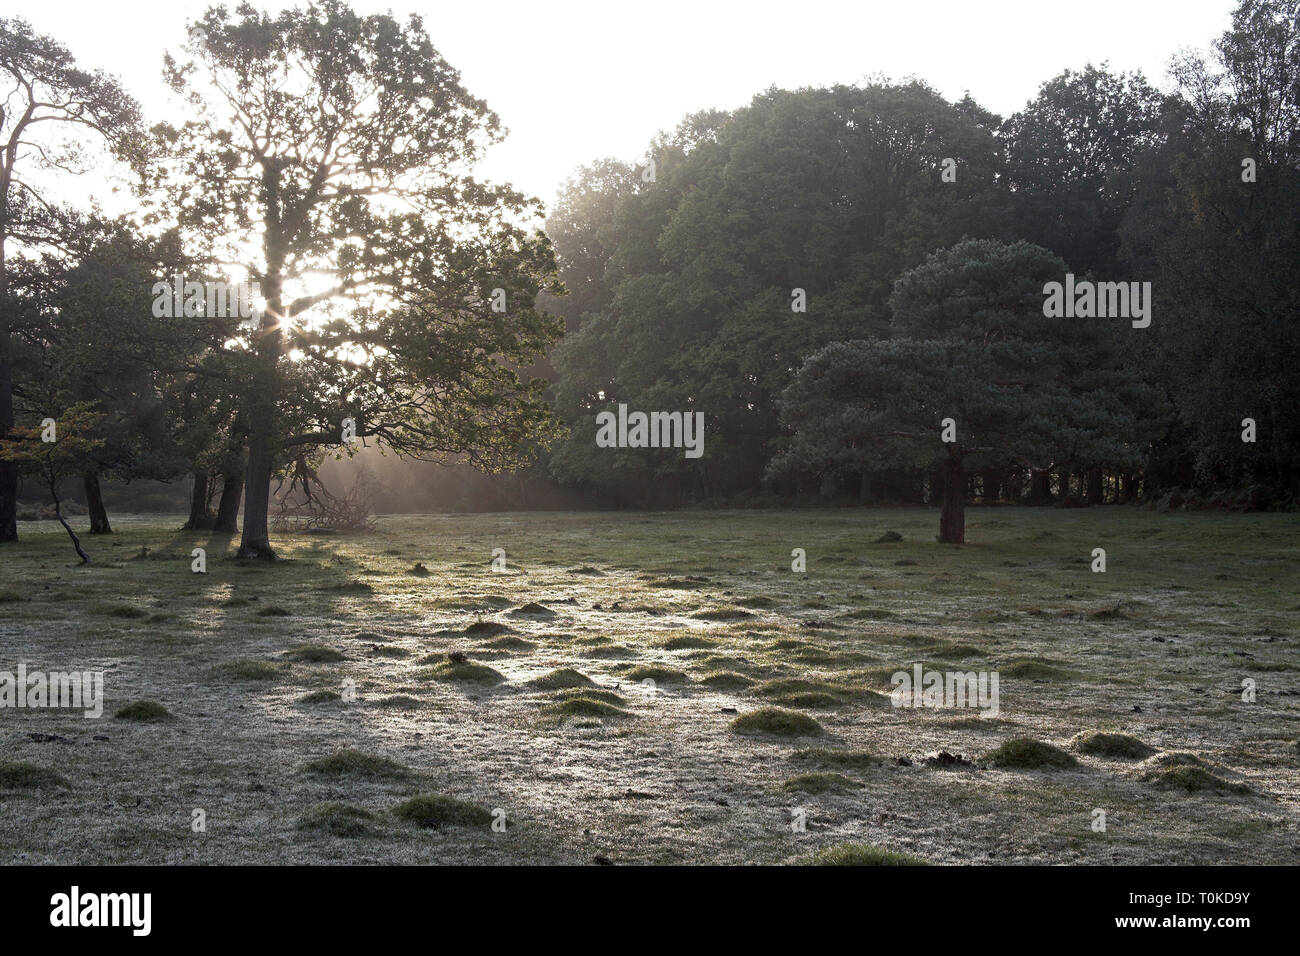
434,811
21,775
655,672
461,671
583,706
861,854
336,819
320,697
726,680
1035,669
355,765
1025,753
144,711
560,679
1187,772
777,723
254,670
1099,743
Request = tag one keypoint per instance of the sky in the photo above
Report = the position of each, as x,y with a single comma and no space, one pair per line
577,81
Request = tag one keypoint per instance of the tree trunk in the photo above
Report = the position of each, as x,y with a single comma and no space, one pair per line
95,504
232,489
864,487
8,469
1095,495
263,427
53,481
1040,486
200,517
991,480
952,520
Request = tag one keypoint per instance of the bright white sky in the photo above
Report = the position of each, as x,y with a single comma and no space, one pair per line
575,80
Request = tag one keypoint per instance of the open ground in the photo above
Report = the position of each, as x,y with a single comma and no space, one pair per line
661,688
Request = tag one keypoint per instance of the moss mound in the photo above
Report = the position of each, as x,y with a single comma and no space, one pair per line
722,614
1025,753
777,722
433,810
336,819
464,671
591,693
20,775
1120,746
320,697
560,679
145,711
1034,669
861,854
1187,772
356,765
726,680
686,642
251,670
507,642
656,673
583,707
399,702
128,611
487,629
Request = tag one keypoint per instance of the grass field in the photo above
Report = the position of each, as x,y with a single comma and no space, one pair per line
522,693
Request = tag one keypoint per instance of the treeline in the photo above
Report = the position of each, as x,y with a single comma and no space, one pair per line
848,283
920,234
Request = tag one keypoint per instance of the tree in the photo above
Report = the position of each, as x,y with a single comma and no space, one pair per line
1072,153
830,191
344,143
45,120
1219,232
976,376
57,449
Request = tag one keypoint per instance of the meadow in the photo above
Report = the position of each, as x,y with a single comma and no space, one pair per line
662,688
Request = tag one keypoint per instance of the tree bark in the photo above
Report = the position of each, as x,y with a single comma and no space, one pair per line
952,519
232,489
200,517
95,504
